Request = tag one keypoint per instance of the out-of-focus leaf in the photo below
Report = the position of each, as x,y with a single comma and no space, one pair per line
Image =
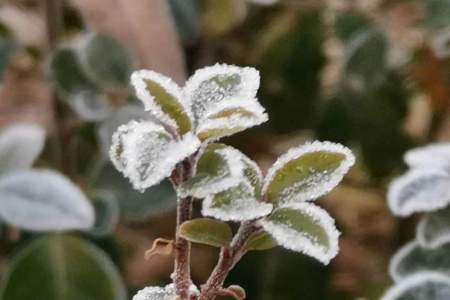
412,259
106,213
425,285
105,62
261,241
430,156
348,23
57,267
186,15
437,13
20,145
434,229
43,200
90,105
307,172
219,17
305,228
136,206
207,231
7,48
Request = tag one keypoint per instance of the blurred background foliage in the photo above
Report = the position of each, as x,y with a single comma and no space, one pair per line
372,74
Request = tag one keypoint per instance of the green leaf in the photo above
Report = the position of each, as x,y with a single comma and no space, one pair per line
307,172
437,13
186,17
412,259
349,23
163,98
105,61
207,231
58,267
219,17
7,49
434,229
305,228
261,241
106,213
218,168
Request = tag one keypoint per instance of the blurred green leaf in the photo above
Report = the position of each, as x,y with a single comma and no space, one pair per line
219,17
437,13
207,231
186,15
106,62
136,206
261,241
107,213
7,48
62,267
434,229
348,24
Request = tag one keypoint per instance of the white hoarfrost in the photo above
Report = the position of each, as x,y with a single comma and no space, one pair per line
214,84
419,190
320,182
146,154
138,79
161,293
421,286
43,200
303,242
20,145
231,173
433,230
243,205
434,156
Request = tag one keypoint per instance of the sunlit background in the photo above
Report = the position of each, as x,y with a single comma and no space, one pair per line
371,74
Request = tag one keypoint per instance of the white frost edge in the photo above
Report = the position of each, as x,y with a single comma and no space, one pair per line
296,152
259,210
236,168
137,80
398,257
249,79
303,244
412,281
163,292
254,166
398,184
432,155
433,243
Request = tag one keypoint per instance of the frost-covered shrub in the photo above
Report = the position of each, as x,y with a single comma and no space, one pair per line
421,269
180,142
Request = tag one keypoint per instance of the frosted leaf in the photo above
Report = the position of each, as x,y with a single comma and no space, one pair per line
419,190
207,231
90,105
237,203
305,228
146,154
121,116
211,85
307,172
163,98
20,145
43,200
218,168
161,293
412,258
252,174
230,117
434,229
434,155
421,286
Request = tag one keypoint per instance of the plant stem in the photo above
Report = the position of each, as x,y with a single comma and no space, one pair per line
229,256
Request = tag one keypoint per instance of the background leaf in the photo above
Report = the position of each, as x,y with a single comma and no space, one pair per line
434,229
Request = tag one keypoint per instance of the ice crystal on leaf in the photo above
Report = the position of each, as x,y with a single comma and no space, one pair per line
161,293
431,156
146,153
305,228
434,229
421,286
412,259
20,144
43,200
419,190
307,172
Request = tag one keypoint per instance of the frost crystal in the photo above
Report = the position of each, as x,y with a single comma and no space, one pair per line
235,204
43,200
146,154
434,155
161,293
419,190
316,175
412,258
421,286
20,145
211,85
141,79
305,228
434,229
